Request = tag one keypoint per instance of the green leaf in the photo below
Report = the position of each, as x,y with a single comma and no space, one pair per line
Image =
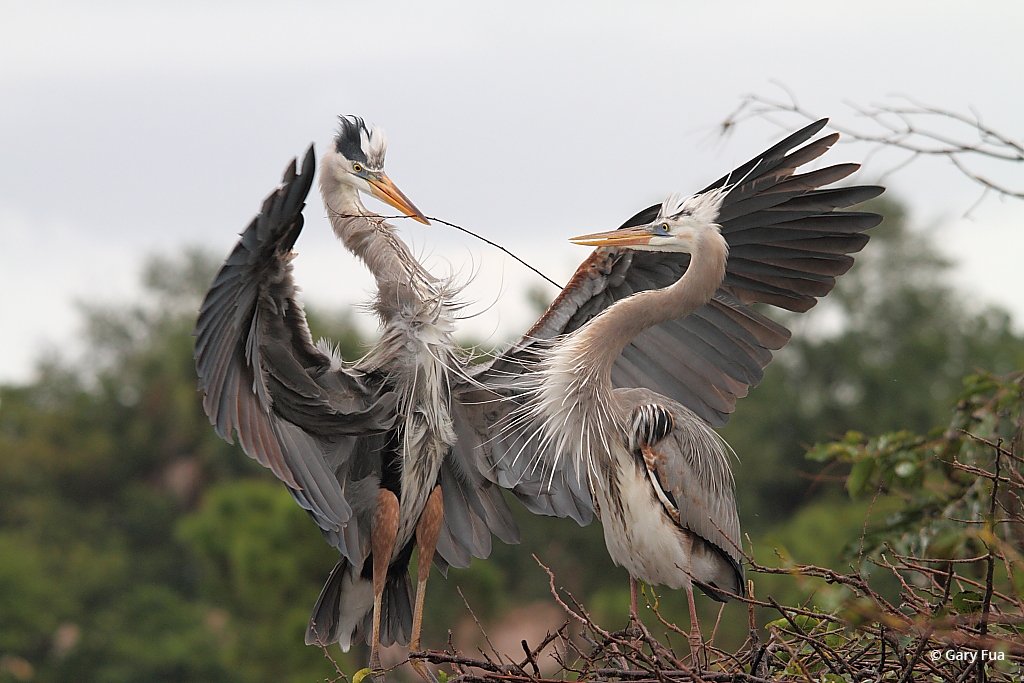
834,678
859,476
967,602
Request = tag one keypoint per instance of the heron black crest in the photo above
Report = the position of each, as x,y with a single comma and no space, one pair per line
358,142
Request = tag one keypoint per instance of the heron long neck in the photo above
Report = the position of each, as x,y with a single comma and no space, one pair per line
600,343
416,350
366,235
575,405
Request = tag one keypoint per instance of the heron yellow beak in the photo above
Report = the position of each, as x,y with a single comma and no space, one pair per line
386,191
625,237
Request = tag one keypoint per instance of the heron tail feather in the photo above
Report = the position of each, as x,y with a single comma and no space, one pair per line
344,611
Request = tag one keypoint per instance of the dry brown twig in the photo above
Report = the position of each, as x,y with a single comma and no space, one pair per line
922,627
915,129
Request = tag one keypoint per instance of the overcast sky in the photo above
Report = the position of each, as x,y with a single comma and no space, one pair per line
131,129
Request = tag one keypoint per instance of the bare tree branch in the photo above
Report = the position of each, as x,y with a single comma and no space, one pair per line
921,130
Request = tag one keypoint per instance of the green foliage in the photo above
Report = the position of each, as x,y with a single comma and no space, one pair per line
251,537
262,562
940,480
30,606
938,560
150,633
103,467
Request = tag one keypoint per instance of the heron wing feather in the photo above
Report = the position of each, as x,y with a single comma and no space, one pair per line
265,383
504,449
473,505
789,239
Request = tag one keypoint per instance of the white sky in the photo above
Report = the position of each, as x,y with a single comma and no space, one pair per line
128,129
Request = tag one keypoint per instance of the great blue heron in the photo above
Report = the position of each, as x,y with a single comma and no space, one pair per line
662,478
406,444
659,475
367,447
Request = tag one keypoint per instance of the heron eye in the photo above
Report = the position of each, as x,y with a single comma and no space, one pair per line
357,168
664,226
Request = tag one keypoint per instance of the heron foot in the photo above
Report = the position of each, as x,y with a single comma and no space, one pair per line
374,670
696,649
634,626
423,671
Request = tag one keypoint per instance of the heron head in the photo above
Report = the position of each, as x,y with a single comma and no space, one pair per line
357,159
682,221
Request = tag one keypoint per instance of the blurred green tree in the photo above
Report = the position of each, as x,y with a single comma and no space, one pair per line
102,457
262,562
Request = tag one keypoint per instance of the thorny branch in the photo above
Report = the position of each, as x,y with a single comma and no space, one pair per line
804,645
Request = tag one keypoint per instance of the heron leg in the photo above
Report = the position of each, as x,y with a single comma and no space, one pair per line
427,532
695,639
382,543
633,614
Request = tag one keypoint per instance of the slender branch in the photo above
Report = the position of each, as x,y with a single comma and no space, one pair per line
907,127
462,229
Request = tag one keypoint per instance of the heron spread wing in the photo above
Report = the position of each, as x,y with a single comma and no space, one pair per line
788,241
787,244
294,410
